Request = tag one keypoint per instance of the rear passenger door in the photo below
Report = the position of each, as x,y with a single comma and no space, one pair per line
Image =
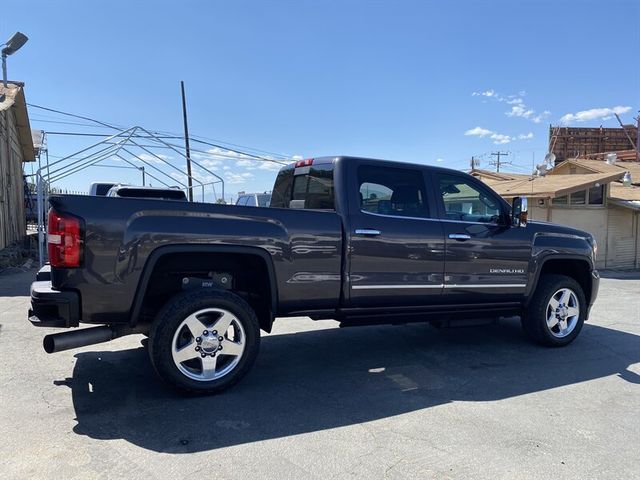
395,241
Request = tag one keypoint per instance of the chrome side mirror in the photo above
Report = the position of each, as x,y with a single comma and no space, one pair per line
519,212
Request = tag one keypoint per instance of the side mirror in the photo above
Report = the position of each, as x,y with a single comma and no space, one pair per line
519,211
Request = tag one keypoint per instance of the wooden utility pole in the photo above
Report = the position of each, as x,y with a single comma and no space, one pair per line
186,141
497,162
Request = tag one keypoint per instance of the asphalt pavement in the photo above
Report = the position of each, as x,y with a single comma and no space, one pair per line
322,402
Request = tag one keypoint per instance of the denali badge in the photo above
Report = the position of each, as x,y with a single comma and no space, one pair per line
506,270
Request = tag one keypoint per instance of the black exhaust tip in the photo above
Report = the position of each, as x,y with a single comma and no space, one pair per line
49,344
58,342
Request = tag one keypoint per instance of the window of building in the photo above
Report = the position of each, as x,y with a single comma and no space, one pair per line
596,195
392,191
578,198
592,196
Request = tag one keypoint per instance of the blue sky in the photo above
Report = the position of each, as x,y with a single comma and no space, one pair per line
420,81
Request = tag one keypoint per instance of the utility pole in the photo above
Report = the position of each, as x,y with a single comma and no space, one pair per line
143,179
186,141
497,163
638,139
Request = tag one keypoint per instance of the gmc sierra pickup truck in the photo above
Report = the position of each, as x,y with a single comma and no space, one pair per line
353,239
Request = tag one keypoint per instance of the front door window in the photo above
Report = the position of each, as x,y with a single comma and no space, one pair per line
466,202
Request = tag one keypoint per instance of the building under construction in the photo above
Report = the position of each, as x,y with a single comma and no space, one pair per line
581,142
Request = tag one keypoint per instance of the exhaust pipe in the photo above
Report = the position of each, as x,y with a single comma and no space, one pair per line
58,342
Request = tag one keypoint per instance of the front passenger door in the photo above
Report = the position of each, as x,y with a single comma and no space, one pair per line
486,259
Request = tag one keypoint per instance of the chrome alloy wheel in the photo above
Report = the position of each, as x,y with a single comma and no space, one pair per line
208,344
563,312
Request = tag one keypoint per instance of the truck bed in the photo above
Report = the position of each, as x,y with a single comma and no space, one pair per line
121,234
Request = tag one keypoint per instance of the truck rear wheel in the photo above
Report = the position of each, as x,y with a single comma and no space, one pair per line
557,311
204,341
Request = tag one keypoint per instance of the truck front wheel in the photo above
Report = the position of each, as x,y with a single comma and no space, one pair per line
556,312
204,341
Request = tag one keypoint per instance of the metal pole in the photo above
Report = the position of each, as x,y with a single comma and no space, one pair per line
40,220
142,170
4,71
186,140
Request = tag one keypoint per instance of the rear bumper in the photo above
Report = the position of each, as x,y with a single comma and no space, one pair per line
595,286
53,308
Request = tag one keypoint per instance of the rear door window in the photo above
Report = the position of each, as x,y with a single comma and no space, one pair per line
391,191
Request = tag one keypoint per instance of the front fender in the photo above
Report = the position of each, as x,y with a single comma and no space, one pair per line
556,246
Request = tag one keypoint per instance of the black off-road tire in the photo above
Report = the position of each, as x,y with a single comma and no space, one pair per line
171,316
534,318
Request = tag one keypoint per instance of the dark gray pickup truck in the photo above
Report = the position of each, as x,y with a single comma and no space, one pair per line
357,240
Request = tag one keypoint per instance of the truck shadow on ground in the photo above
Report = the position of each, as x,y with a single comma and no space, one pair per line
317,380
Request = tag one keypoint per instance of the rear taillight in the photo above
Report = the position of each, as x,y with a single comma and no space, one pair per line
64,239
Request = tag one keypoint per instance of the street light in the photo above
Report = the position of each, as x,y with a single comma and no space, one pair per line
14,44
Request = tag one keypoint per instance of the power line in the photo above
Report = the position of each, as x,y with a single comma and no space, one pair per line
74,115
194,137
497,163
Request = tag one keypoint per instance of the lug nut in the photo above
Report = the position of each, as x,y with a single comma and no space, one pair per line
205,333
203,354
220,347
199,339
220,338
198,348
215,332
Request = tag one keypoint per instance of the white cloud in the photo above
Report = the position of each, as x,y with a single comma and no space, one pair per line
181,177
540,117
519,108
237,178
270,166
486,93
439,160
594,114
245,163
498,138
527,136
155,158
478,132
209,163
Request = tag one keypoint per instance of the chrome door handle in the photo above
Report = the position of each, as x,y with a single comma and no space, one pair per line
367,231
459,236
